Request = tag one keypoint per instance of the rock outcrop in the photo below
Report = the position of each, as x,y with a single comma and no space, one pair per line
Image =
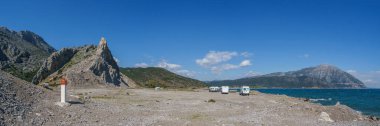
56,61
83,66
22,53
104,64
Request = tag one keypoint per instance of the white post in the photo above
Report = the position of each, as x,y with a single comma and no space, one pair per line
63,93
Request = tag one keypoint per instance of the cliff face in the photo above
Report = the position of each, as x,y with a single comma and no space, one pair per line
22,53
322,76
82,66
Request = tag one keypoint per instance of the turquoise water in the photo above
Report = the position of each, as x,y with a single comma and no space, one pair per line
366,101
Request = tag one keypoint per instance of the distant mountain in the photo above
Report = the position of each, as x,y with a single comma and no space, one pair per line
159,77
22,53
85,66
322,76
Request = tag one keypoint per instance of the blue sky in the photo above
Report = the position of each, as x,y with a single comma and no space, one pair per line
214,39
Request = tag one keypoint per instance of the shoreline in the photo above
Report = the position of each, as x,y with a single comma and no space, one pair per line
325,100
315,101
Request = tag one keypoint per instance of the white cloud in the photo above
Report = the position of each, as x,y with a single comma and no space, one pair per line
224,67
251,74
351,71
142,65
368,81
246,54
305,56
245,63
215,57
221,68
186,73
168,66
371,79
217,61
175,68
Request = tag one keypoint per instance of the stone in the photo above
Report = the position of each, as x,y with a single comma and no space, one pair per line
62,104
325,117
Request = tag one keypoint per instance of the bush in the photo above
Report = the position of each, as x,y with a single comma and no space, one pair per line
211,100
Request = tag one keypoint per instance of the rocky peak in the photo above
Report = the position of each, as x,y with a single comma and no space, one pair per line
103,43
104,65
82,66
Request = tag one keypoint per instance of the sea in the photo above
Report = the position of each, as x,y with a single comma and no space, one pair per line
367,101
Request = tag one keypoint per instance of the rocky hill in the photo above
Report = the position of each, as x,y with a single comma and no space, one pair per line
159,77
22,53
17,98
82,66
322,76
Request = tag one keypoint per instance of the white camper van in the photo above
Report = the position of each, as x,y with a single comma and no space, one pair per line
225,89
213,89
244,90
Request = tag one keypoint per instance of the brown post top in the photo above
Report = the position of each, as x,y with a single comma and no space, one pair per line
63,81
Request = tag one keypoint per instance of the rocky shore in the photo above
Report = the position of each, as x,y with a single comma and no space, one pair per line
120,106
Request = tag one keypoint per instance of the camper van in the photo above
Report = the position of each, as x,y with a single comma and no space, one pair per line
214,89
225,89
244,90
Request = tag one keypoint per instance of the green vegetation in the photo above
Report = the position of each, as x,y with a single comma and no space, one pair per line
27,76
158,77
211,100
102,97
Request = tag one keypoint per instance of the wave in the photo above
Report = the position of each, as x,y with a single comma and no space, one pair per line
320,99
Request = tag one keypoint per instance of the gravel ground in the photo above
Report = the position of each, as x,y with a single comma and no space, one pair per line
17,98
120,106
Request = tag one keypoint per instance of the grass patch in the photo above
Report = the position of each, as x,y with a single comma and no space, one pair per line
102,97
196,116
211,101
25,75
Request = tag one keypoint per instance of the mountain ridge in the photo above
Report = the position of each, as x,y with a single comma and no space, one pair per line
321,76
22,53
